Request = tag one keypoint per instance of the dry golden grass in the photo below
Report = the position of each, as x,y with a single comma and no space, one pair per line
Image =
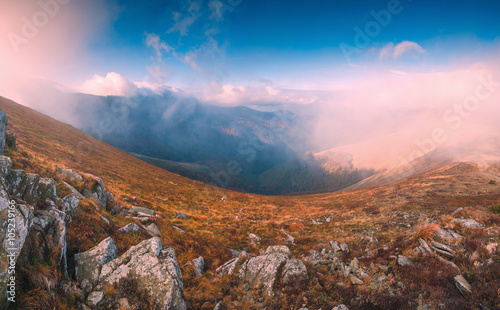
391,213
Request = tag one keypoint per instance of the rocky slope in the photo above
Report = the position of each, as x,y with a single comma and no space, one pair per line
131,236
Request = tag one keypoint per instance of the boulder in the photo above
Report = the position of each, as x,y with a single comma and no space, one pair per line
153,230
11,245
69,204
468,223
356,281
254,239
97,191
230,266
180,216
463,286
295,272
3,130
344,247
74,191
131,227
156,270
263,271
23,185
442,249
95,298
341,307
447,234
46,189
123,304
88,264
5,166
145,211
404,261
199,266
69,174
278,249
49,227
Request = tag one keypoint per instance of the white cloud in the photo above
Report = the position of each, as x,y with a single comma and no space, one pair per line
406,47
395,52
154,41
233,95
183,22
112,85
387,51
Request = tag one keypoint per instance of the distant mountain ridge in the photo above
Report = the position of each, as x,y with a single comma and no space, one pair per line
232,147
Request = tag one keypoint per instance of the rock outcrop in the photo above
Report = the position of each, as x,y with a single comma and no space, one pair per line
155,269
88,264
3,131
97,191
265,271
15,223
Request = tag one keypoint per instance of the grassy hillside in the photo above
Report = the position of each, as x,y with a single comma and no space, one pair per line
396,214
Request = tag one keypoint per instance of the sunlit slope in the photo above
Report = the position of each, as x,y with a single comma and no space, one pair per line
60,144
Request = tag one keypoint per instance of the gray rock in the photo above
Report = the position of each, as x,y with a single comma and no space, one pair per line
153,230
354,264
463,286
344,247
95,298
263,271
468,223
147,212
230,266
131,227
278,249
234,253
74,191
424,246
404,261
341,307
5,166
180,216
50,229
356,281
124,304
155,269
99,193
288,238
254,239
492,248
22,216
23,185
3,130
178,229
383,267
295,272
199,266
88,264
448,234
70,174
443,249
334,246
70,205
218,306
46,189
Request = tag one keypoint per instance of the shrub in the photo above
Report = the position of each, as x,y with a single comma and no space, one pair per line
493,182
496,209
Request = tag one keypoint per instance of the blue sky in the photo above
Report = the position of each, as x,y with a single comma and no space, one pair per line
259,38
197,44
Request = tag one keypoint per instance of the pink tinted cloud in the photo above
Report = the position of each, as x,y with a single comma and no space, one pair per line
113,84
